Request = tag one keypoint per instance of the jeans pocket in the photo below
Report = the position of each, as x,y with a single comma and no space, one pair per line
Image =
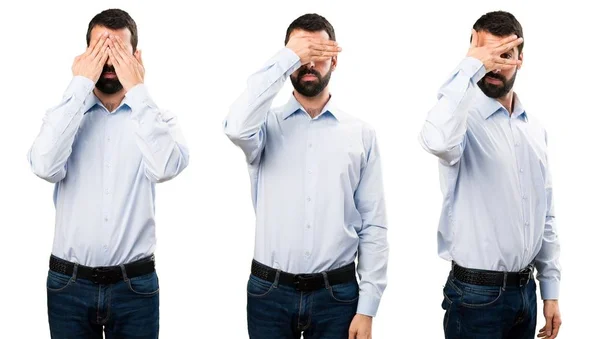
344,293
146,285
474,296
258,288
57,282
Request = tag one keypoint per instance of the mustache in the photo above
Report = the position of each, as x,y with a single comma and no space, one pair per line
108,69
305,71
496,76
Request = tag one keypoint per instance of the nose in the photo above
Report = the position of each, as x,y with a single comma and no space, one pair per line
496,71
311,64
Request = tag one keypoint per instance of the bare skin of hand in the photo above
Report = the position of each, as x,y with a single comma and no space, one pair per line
129,67
553,320
491,55
310,49
91,62
360,328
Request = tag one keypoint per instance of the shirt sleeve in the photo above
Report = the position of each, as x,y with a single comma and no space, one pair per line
444,130
547,260
373,246
52,147
245,125
158,136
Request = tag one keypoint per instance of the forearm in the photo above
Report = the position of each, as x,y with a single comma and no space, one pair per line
244,125
446,124
158,136
372,268
52,147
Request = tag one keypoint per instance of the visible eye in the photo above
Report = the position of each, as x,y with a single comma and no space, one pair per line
506,56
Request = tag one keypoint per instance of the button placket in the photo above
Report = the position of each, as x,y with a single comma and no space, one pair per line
107,177
310,187
521,160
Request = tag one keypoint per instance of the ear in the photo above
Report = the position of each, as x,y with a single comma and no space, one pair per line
520,58
333,62
138,56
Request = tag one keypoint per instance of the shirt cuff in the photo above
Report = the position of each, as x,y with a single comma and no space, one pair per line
549,290
80,87
367,305
287,60
473,67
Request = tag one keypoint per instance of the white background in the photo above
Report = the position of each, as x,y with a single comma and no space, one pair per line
198,56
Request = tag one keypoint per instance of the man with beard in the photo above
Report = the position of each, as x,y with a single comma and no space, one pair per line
497,221
317,193
105,146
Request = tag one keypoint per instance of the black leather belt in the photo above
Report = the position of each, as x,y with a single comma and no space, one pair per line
492,278
106,274
305,282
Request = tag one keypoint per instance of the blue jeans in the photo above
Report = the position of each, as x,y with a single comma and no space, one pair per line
281,312
79,308
487,312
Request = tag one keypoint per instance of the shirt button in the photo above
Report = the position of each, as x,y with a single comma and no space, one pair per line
309,145
526,223
108,164
517,144
521,170
309,172
308,199
307,253
524,197
105,219
108,139
105,248
308,226
106,192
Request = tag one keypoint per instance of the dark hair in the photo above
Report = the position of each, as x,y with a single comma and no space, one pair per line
500,23
311,23
114,19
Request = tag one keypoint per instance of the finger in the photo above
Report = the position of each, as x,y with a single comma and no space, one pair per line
548,326
506,40
115,61
555,327
99,46
101,56
505,61
123,50
352,334
509,46
117,47
325,42
325,47
116,52
324,54
474,39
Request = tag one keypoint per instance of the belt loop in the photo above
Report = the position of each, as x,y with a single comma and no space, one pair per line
504,283
124,272
325,279
74,276
276,282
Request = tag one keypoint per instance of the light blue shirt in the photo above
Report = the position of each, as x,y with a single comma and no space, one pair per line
105,165
498,212
316,183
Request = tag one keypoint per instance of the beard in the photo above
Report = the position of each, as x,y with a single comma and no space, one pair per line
106,85
310,88
496,91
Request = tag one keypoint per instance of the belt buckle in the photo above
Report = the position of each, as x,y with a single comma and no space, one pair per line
99,275
525,276
305,282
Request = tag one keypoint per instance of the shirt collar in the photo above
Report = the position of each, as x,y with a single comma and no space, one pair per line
293,106
92,100
488,106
